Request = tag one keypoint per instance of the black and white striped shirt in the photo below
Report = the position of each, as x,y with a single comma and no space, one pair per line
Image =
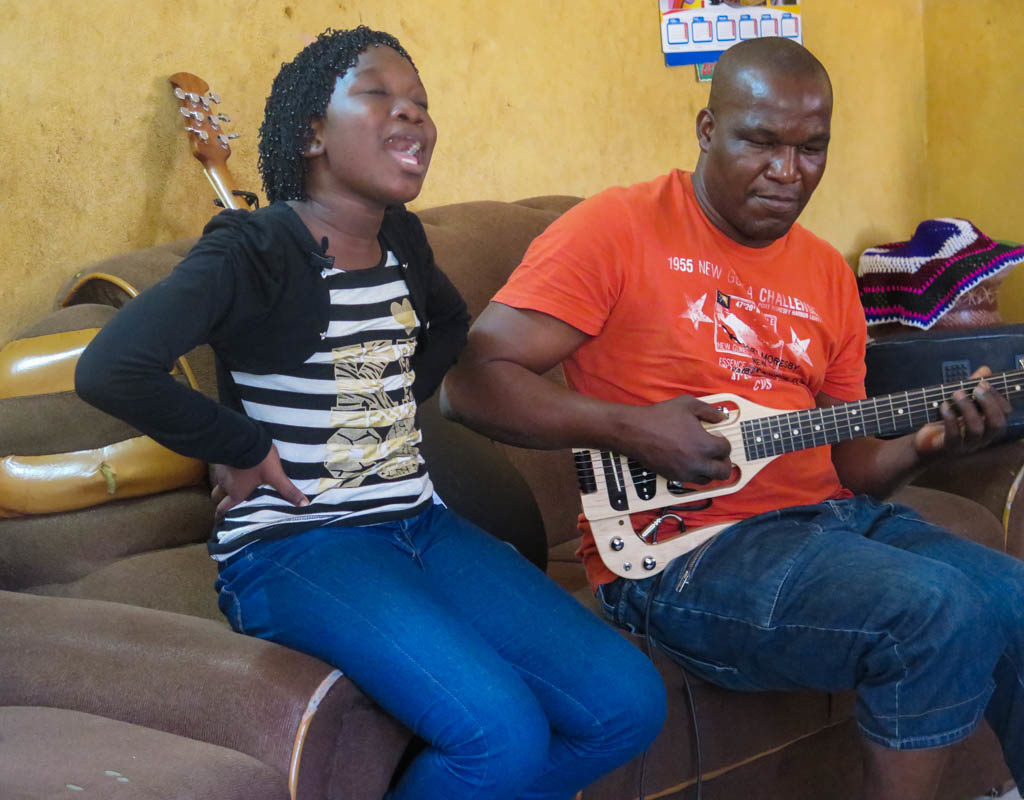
343,422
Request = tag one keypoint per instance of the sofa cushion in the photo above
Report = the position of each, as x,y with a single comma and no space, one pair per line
56,753
178,579
61,548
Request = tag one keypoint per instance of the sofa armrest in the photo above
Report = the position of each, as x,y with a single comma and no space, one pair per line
196,678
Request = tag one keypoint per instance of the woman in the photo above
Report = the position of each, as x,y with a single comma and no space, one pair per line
330,321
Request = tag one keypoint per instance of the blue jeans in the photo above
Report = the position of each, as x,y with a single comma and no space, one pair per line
517,689
928,627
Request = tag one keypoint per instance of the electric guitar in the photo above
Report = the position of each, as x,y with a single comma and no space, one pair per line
207,138
614,486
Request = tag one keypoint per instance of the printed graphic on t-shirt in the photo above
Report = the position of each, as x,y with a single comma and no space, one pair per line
374,432
755,330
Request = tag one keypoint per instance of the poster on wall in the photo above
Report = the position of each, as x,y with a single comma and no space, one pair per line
699,31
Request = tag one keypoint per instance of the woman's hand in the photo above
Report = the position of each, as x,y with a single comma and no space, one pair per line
231,485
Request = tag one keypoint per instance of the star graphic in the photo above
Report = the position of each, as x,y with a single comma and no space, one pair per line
799,347
695,311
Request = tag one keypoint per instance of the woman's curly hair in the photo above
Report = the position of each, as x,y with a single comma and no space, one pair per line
300,94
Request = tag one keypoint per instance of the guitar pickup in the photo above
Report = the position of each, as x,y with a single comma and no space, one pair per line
585,472
645,482
614,481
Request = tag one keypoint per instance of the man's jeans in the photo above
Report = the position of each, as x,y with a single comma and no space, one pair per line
518,690
926,626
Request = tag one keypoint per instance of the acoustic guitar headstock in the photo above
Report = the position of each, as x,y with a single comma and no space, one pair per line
204,125
207,137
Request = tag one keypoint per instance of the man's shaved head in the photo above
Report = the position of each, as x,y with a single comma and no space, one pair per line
735,73
763,139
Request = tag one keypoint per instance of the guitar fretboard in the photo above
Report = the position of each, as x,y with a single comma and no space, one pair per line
888,415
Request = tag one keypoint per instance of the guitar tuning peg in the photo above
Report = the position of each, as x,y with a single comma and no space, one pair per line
194,97
215,98
234,135
179,92
200,133
224,118
184,111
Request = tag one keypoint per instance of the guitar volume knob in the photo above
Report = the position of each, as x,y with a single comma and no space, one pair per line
617,544
649,563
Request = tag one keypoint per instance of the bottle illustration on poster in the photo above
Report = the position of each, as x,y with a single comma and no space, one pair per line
699,31
725,29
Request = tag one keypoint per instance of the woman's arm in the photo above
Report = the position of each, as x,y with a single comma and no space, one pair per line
125,370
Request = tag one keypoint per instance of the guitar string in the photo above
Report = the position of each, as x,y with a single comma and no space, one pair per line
868,412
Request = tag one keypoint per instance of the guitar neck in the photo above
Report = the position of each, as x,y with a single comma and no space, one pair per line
888,415
223,185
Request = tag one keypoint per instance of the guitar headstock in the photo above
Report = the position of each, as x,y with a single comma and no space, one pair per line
203,124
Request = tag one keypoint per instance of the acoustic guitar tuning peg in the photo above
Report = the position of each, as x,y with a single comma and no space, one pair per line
179,93
214,97
223,118
200,133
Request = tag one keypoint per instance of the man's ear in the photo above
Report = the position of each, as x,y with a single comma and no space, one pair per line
316,141
705,127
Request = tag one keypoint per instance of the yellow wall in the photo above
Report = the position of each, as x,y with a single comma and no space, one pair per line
976,122
531,97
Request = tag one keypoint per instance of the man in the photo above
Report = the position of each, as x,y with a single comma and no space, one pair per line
689,285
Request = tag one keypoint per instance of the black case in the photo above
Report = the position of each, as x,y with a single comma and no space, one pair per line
926,358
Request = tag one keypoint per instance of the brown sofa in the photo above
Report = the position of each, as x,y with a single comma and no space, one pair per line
116,662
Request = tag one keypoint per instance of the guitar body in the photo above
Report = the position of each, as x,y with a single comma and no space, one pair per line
622,487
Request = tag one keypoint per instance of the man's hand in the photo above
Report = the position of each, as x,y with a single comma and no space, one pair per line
668,437
231,486
977,420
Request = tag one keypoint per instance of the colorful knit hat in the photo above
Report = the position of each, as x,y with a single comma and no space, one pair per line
916,282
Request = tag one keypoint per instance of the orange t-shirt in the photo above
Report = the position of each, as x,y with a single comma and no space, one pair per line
673,306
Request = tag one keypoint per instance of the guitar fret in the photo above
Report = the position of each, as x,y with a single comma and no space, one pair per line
775,434
817,422
872,423
893,415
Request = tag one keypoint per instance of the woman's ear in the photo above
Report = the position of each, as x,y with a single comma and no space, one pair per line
316,142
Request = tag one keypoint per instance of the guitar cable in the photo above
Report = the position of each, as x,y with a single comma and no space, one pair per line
649,642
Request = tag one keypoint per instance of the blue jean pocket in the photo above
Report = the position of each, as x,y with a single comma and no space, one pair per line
227,602
608,595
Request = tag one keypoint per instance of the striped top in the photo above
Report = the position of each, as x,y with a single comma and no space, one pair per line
344,421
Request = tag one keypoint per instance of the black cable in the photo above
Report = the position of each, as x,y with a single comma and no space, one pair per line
655,586
650,655
696,735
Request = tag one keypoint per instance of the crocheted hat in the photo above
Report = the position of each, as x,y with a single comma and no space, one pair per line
916,282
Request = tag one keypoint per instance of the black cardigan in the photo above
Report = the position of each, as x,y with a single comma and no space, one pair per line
251,288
